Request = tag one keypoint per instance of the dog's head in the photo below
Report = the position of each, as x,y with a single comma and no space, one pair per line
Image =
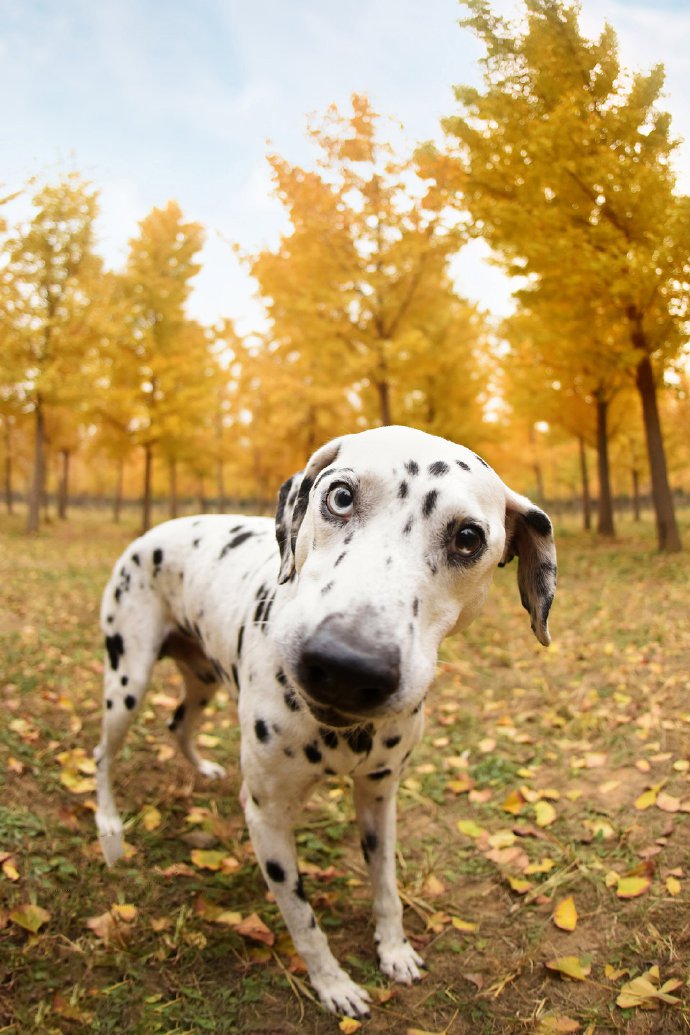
389,539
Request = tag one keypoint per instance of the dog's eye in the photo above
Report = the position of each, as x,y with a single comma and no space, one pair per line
467,541
340,502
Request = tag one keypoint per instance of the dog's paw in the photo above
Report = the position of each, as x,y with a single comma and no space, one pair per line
210,769
339,994
399,961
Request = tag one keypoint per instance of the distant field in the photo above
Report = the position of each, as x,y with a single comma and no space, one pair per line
544,775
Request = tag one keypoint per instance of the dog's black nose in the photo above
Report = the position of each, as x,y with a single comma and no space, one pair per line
345,670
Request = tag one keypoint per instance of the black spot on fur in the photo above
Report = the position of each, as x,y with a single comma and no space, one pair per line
157,557
240,637
402,490
392,742
369,843
415,606
135,558
261,731
116,648
196,542
408,526
235,541
359,739
463,465
281,677
538,520
178,716
327,588
380,774
429,502
130,702
481,461
108,704
275,871
261,597
329,737
348,538
339,558
110,618
235,676
312,752
412,467
438,468
299,891
292,700
124,680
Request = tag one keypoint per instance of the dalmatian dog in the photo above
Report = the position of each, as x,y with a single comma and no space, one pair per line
326,624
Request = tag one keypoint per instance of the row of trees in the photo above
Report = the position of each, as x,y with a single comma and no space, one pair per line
562,162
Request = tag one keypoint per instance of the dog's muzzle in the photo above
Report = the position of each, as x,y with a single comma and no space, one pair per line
341,670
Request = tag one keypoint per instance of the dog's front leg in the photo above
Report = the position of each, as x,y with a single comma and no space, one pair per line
375,804
270,825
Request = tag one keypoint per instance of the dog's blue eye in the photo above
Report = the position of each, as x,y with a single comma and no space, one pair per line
468,541
340,502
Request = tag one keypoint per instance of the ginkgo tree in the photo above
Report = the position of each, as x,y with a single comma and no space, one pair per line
564,162
48,272
358,292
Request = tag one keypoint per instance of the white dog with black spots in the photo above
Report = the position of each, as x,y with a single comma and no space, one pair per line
326,624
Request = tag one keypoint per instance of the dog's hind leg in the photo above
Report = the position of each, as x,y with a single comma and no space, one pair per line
131,653
201,680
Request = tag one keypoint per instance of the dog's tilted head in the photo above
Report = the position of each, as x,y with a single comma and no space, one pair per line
389,540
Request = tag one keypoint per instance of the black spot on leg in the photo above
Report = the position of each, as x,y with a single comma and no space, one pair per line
299,891
369,845
135,558
415,606
157,560
359,739
235,676
392,742
438,468
261,731
240,637
275,871
339,558
110,618
380,774
116,648
429,502
124,680
412,467
108,704
402,490
327,588
178,716
130,702
407,528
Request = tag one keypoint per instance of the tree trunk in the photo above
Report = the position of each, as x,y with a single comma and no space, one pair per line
605,510
220,486
173,488
668,536
117,499
586,496
203,502
63,484
8,467
146,502
384,393
636,494
36,490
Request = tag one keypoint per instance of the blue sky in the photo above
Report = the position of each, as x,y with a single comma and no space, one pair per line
155,100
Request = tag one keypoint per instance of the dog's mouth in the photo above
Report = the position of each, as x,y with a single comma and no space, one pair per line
332,717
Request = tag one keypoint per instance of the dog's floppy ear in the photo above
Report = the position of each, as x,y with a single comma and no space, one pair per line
529,536
293,500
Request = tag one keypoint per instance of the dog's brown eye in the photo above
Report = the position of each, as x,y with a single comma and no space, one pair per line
340,502
468,541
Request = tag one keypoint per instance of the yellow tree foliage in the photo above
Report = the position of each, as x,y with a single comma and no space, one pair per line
564,163
49,269
361,306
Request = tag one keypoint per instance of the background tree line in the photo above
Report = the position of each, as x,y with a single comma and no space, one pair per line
561,161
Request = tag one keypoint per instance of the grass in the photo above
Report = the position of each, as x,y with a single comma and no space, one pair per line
585,727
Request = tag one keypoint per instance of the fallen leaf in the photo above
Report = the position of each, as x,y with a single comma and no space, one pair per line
29,916
644,991
519,884
349,1025
667,802
553,1024
545,813
469,828
463,925
673,886
565,914
574,967
253,927
433,887
150,818
646,799
631,887
9,868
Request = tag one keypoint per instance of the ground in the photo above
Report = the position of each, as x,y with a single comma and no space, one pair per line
545,775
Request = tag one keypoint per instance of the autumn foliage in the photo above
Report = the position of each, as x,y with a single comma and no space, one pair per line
562,161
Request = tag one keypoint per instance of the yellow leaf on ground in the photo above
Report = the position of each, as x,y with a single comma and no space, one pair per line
469,828
513,803
348,1025
545,813
463,925
519,884
574,967
631,887
124,911
433,887
545,866
644,991
9,868
673,885
253,927
667,802
150,818
565,914
556,1025
29,916
646,799
207,859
